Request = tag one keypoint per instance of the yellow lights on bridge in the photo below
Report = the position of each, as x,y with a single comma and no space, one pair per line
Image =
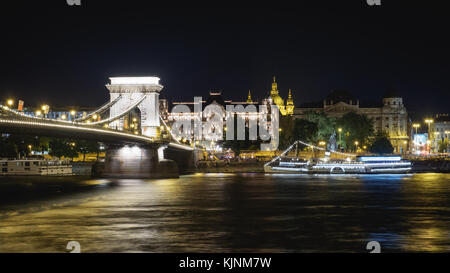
63,116
72,112
94,117
38,113
10,102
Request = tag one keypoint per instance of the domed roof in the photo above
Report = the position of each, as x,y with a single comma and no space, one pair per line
391,93
277,100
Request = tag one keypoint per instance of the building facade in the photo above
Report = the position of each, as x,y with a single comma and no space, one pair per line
390,116
439,133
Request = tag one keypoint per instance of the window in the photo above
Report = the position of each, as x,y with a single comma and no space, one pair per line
4,170
27,164
4,164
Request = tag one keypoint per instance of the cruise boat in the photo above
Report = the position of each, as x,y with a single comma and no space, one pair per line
369,164
35,167
361,165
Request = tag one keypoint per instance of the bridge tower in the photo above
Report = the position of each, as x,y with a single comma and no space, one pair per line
132,90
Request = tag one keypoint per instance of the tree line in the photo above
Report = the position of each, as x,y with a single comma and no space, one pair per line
19,146
352,131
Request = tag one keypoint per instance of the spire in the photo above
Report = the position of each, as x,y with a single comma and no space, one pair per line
290,101
249,98
274,90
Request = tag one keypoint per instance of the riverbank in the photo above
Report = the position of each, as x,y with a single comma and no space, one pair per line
419,166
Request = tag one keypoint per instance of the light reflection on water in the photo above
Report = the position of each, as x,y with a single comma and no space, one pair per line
228,213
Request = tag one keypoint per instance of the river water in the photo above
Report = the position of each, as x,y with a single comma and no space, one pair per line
227,213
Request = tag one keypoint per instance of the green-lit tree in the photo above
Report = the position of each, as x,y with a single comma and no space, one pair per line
443,146
355,127
62,147
305,130
326,125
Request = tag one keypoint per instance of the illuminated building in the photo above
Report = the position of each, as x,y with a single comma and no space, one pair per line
276,99
390,116
439,131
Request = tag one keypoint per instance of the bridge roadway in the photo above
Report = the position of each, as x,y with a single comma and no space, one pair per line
15,123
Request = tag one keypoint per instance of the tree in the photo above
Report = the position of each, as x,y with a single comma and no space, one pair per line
381,145
87,146
7,148
355,127
305,130
62,147
443,144
287,131
326,125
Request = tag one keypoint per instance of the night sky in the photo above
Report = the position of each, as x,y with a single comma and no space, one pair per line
61,55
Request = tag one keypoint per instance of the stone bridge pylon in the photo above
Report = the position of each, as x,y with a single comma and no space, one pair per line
140,92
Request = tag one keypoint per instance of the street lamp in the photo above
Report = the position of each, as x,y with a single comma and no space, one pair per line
415,126
38,113
428,122
10,102
340,136
356,144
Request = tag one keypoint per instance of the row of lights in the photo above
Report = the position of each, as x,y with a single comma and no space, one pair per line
44,109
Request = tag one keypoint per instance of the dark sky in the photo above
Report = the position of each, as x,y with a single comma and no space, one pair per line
64,55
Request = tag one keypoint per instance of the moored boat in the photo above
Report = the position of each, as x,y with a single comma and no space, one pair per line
368,164
35,167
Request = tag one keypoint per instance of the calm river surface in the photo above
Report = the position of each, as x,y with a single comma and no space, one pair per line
227,213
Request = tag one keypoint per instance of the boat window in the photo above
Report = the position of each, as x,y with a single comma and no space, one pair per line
27,164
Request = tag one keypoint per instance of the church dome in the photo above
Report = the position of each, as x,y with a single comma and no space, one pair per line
277,100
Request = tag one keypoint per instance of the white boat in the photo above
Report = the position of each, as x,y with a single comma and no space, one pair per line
370,164
35,167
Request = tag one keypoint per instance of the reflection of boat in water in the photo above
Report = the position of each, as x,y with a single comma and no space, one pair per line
360,165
